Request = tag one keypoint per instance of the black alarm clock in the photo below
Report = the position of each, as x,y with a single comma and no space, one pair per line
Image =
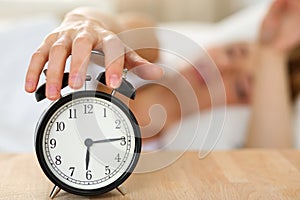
88,142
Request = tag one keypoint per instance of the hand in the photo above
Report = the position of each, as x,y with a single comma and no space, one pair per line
78,35
281,26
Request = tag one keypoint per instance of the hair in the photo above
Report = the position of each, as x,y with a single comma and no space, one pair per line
294,73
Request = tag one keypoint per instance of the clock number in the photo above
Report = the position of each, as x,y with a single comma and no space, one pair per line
52,143
88,175
58,160
72,113
123,141
60,126
118,158
88,108
107,170
118,124
72,170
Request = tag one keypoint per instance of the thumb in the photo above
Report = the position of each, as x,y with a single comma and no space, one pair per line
141,67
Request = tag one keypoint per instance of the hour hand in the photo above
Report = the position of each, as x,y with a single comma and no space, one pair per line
87,158
88,143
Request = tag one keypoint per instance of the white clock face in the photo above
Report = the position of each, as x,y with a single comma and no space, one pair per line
88,143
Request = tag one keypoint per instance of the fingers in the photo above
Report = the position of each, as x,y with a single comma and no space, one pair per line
81,50
36,65
117,56
141,67
56,50
114,51
58,54
58,46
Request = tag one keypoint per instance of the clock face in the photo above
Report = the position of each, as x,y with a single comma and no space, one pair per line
88,143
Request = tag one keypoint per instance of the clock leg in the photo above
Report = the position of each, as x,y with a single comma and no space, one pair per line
122,190
54,192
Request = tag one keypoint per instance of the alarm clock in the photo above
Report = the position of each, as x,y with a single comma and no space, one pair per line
88,142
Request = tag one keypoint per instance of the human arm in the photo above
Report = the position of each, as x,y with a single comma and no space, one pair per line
161,105
82,30
271,121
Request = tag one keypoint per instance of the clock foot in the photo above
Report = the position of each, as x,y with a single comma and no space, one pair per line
54,192
122,190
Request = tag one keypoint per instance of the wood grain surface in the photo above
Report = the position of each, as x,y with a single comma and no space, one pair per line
232,175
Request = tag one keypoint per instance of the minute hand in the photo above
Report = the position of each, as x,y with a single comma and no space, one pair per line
108,140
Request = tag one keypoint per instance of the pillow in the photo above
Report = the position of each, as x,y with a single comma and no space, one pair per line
215,130
242,25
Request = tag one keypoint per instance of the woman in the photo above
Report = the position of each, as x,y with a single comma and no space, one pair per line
265,85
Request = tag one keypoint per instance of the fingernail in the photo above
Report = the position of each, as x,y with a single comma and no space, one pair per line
52,92
114,81
29,86
75,81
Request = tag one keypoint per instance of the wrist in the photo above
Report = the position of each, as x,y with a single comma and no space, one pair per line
268,52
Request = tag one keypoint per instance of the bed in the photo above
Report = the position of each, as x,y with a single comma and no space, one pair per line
20,112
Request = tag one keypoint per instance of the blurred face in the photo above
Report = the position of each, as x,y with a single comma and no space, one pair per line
236,65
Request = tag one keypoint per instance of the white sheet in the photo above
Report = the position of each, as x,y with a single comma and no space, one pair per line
19,111
241,26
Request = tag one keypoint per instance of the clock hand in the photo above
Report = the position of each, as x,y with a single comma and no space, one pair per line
88,143
87,158
108,140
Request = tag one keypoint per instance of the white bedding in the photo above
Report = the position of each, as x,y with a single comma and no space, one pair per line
241,26
20,112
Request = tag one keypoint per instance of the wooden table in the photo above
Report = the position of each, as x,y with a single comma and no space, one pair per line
240,174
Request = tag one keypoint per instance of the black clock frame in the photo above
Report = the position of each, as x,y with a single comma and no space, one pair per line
40,130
